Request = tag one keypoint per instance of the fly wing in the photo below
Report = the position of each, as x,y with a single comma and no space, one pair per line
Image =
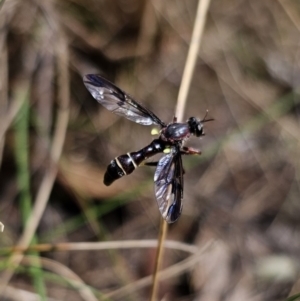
117,101
168,180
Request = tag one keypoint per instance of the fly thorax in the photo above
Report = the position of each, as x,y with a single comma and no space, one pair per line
176,131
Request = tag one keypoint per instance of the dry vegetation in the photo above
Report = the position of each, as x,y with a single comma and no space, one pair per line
241,199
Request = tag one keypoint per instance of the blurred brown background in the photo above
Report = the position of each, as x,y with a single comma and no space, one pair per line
242,194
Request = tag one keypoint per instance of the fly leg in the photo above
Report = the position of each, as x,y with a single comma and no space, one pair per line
189,151
151,163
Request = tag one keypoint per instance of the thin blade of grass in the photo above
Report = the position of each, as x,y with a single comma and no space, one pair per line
23,179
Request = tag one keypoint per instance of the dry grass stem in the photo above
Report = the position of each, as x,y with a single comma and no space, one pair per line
181,102
159,257
173,271
192,57
106,245
70,277
1,227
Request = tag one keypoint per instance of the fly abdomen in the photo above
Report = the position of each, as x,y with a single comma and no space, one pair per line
127,163
119,167
113,172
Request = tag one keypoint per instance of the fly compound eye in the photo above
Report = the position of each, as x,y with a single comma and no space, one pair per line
195,126
199,130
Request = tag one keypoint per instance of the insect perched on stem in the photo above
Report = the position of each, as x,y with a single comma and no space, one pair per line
168,177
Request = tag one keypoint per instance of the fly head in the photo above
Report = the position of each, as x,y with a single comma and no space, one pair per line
196,125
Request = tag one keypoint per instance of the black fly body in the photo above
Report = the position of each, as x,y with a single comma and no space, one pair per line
168,177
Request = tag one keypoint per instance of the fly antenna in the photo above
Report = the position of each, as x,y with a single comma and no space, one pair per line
205,120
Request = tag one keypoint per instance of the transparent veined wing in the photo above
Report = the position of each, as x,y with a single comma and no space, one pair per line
117,101
168,179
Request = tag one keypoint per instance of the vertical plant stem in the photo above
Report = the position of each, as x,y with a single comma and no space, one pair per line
181,103
3,80
192,57
159,255
1,3
23,179
22,160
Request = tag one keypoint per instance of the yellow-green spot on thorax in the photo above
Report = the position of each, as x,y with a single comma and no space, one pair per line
154,132
167,150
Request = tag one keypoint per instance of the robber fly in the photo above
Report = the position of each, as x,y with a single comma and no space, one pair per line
168,177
